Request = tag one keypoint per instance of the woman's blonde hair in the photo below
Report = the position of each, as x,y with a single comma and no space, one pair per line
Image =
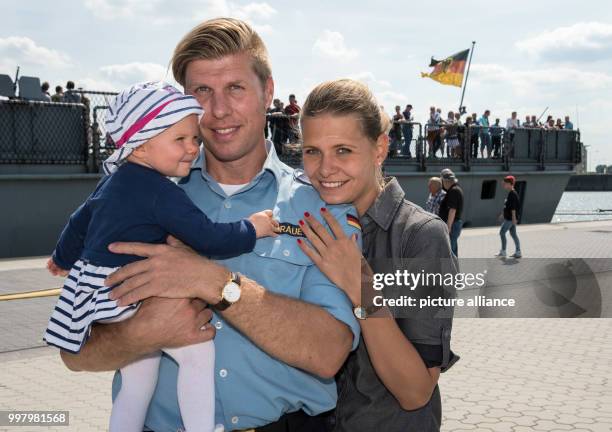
349,97
217,38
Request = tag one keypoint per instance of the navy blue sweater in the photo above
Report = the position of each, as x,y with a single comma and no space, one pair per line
138,204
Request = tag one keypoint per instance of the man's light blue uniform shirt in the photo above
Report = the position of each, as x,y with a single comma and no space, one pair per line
251,388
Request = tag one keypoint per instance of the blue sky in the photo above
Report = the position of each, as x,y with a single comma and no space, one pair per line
529,54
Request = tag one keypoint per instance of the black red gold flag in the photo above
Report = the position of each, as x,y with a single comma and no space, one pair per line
450,70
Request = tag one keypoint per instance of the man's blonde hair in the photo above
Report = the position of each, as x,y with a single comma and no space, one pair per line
217,38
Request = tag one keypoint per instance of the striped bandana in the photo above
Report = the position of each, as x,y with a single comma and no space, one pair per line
141,112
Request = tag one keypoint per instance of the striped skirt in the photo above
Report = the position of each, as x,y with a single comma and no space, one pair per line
82,302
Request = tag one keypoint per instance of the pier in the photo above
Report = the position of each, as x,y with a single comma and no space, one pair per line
515,375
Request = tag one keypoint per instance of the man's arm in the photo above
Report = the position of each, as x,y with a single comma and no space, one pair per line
451,218
157,324
300,334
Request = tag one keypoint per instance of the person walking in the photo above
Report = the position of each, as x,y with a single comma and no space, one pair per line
510,216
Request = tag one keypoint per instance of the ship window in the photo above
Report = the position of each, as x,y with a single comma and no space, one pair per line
488,189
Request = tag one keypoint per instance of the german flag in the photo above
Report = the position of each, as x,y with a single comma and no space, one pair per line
353,221
450,70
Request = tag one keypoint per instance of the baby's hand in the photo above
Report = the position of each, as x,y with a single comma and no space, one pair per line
264,225
55,270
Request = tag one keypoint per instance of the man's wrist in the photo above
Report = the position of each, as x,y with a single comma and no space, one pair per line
212,283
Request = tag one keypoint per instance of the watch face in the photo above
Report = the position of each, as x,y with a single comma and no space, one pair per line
231,292
360,312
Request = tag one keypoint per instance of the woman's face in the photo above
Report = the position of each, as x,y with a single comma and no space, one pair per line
341,161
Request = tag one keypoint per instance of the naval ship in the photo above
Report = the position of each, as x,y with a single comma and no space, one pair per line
51,154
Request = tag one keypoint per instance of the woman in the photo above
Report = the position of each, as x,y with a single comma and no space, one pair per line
390,382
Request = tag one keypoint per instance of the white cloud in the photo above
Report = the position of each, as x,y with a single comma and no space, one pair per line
370,80
163,12
23,51
130,73
253,11
382,89
584,41
558,81
115,9
331,45
89,83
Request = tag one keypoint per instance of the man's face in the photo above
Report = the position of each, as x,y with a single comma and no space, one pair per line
234,102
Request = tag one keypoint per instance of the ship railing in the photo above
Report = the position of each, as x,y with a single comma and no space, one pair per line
33,132
40,132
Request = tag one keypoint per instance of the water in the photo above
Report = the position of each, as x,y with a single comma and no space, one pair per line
583,202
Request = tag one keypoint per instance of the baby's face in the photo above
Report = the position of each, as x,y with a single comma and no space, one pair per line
172,151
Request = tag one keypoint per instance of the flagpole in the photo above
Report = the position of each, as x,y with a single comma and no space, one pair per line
467,74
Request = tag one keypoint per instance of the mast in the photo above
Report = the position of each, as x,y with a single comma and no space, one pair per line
467,74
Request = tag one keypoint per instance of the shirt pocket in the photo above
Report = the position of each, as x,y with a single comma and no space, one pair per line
284,262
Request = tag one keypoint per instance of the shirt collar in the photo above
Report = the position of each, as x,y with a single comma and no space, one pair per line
386,205
272,164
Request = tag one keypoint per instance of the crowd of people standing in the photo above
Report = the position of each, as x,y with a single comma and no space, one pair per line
482,137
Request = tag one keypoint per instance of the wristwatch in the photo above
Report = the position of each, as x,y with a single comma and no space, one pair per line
230,293
362,312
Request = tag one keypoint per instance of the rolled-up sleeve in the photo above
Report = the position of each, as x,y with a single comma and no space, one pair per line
430,332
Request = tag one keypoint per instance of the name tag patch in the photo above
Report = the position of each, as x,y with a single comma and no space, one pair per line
291,229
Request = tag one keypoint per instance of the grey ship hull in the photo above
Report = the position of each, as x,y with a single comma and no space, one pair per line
38,205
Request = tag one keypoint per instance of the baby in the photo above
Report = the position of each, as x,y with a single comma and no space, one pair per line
155,130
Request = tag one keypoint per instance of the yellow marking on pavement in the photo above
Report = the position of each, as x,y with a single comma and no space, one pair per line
31,294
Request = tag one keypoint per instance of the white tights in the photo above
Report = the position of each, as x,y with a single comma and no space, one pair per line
195,389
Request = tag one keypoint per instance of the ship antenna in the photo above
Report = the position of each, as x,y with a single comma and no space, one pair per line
16,78
542,115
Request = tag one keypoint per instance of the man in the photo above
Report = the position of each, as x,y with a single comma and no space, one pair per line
436,194
513,122
475,132
278,125
433,131
44,88
293,111
568,124
396,131
59,94
496,138
485,135
451,207
407,130
70,96
280,340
